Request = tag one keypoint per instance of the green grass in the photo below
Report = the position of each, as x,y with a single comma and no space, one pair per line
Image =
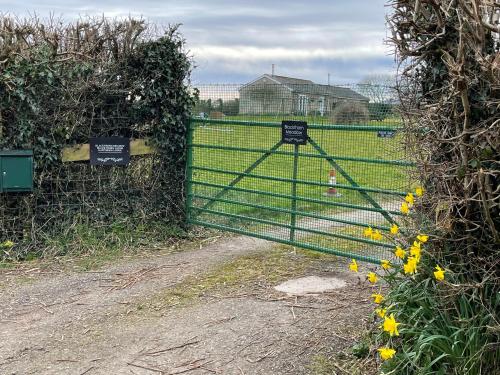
311,119
97,246
6,265
341,363
344,143
334,142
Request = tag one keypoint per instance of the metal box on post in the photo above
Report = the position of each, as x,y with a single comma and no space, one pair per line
16,171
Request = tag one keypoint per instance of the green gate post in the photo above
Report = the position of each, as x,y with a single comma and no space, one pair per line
293,218
189,172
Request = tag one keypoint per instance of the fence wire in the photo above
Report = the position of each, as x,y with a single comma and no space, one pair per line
75,196
351,174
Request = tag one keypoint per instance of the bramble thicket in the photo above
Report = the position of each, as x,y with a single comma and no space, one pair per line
440,311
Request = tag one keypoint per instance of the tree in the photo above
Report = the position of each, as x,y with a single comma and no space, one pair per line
381,90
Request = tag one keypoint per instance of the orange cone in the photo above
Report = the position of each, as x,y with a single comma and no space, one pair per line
332,181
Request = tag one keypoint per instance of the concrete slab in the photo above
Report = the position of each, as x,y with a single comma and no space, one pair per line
310,285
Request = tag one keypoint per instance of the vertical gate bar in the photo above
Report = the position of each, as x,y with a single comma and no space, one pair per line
189,170
293,218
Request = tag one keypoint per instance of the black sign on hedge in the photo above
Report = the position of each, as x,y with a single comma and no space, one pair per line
109,151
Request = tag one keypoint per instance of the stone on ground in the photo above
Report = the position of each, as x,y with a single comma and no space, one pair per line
310,285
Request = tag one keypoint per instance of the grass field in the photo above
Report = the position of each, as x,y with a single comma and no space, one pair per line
338,143
311,119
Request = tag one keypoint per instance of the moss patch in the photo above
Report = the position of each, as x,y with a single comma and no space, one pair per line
235,277
322,365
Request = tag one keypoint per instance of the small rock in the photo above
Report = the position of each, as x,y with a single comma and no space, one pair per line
310,285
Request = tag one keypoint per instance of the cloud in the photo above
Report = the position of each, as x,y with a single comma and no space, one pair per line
249,53
238,40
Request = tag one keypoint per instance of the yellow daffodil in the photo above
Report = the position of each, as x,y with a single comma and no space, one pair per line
419,191
422,238
415,252
376,236
353,266
439,274
410,267
8,244
390,325
404,208
368,232
410,199
386,353
400,253
385,264
381,312
377,298
394,229
372,277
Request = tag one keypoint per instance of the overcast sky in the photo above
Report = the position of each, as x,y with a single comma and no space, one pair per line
236,41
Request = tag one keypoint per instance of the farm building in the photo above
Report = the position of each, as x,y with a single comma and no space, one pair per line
271,94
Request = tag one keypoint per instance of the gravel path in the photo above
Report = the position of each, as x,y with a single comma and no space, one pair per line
94,323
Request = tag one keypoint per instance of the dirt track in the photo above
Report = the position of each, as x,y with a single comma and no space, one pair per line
121,318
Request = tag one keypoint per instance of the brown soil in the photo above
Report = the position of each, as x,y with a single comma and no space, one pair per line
210,309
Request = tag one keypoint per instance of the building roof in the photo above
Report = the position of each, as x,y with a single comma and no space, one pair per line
304,86
289,80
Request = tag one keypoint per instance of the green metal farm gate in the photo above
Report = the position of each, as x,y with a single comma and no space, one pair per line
243,178
293,173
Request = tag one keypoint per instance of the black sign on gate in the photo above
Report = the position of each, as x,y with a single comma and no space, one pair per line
294,132
109,151
386,133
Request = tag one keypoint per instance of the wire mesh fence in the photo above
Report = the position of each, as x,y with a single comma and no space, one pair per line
72,199
75,195
350,174
266,100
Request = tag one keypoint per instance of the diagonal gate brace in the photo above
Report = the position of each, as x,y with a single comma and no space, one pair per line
259,161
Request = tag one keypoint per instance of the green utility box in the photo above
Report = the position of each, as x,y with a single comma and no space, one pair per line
16,171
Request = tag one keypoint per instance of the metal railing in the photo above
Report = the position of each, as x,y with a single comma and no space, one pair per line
244,179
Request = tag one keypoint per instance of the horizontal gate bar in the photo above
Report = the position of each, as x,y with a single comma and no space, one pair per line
305,182
286,211
299,228
287,242
309,155
369,128
299,198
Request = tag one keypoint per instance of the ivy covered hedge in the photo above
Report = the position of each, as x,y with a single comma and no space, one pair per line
62,84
